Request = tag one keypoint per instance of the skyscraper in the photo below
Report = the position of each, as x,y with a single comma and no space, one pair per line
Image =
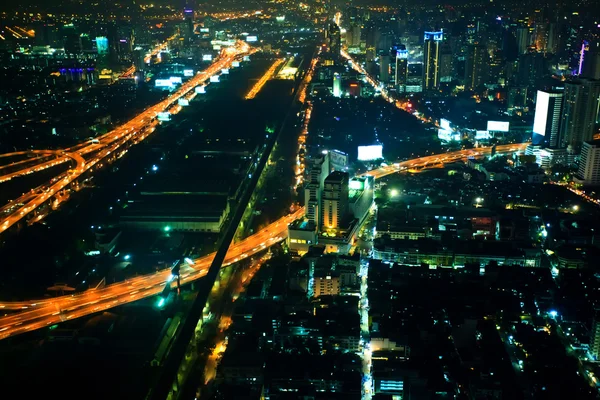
335,199
431,60
580,110
318,171
337,85
476,65
384,68
589,164
595,337
522,34
334,41
546,126
401,70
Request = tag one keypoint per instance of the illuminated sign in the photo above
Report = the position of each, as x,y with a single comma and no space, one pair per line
436,36
356,184
206,57
542,106
102,45
175,79
216,47
338,160
402,54
214,78
200,89
225,71
368,153
250,39
246,58
498,126
204,30
183,102
280,18
235,64
164,116
337,85
188,72
164,83
482,135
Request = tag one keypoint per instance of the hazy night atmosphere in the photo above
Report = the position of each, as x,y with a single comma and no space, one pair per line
300,200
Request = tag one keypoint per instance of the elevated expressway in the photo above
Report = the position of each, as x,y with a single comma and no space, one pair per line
94,154
24,316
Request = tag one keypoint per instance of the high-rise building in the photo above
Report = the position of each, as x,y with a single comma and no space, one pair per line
476,65
337,85
580,111
522,35
353,35
188,16
431,60
334,41
589,164
595,337
546,125
446,62
384,69
335,200
401,70
318,171
326,284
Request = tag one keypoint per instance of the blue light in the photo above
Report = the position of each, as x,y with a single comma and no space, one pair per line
127,257
154,168
553,313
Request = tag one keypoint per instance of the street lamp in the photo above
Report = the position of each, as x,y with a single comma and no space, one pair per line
394,192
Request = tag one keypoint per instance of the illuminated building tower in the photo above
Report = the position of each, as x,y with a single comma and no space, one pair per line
334,41
589,164
595,337
522,35
384,68
546,126
476,66
337,85
401,70
431,60
188,16
446,63
318,171
580,111
335,200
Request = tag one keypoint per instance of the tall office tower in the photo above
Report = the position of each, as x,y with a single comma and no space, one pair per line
595,336
73,44
335,200
589,164
532,67
580,111
591,67
546,125
553,38
370,44
401,70
353,35
334,41
188,16
313,191
522,35
384,68
476,65
446,63
431,60
337,85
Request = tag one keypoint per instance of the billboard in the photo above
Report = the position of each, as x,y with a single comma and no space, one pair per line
204,30
368,153
183,102
163,83
225,71
188,72
246,58
200,89
338,160
207,57
542,106
175,79
251,39
498,126
164,116
235,64
102,44
214,78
